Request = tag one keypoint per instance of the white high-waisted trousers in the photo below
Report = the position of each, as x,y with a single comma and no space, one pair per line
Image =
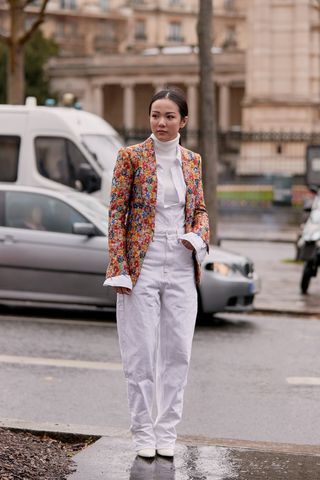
155,327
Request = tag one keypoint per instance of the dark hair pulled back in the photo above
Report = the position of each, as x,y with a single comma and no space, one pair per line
176,95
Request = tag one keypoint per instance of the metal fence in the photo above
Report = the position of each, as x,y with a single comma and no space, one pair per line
247,155
255,168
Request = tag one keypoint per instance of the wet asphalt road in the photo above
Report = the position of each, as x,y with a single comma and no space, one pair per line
248,379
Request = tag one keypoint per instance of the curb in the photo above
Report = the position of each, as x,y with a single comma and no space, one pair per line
256,239
279,311
95,433
62,429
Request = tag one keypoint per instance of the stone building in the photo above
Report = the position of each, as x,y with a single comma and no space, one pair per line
282,85
160,48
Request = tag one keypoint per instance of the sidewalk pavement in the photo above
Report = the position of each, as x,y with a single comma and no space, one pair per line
113,459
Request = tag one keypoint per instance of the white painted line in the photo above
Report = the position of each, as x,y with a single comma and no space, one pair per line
59,362
313,381
59,321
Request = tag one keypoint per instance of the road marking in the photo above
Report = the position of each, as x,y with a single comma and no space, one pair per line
313,381
88,323
59,362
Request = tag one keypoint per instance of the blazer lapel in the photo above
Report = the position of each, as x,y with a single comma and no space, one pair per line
149,166
187,173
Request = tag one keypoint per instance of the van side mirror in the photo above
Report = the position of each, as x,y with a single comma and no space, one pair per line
313,188
307,207
89,178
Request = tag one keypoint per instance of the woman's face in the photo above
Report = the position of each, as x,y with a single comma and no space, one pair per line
165,119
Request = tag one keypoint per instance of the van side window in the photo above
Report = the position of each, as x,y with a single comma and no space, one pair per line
9,154
59,159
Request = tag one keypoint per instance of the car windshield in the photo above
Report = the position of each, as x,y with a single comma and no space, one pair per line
94,210
104,148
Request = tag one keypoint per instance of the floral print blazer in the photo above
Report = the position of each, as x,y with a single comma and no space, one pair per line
133,207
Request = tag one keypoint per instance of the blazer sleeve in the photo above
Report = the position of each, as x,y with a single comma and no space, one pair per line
120,197
200,224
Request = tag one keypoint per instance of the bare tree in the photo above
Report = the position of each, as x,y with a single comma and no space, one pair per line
208,127
15,40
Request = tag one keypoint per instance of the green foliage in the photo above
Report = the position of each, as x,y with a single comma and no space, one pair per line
38,51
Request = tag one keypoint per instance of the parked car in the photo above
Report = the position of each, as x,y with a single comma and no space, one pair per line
53,250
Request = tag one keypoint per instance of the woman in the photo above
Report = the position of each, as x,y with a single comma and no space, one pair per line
158,235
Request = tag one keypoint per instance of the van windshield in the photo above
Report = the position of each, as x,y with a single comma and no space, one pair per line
104,148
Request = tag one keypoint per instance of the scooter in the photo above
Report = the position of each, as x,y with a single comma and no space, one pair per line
309,246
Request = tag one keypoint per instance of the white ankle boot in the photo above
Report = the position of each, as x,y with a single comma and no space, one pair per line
146,452
165,452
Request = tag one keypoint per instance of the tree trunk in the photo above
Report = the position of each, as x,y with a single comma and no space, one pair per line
208,127
15,75
15,70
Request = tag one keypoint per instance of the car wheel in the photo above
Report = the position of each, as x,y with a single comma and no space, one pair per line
307,273
203,317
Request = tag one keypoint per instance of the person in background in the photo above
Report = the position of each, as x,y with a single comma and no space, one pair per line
34,219
158,236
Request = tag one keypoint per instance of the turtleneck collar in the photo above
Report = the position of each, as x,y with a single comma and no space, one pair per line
165,147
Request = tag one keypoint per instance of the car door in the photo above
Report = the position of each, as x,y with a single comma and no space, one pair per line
41,259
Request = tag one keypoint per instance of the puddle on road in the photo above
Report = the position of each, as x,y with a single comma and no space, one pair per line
112,458
219,463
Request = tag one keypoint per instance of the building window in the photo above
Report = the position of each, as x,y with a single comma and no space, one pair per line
64,29
229,4
175,32
29,21
140,30
230,38
104,5
60,28
176,3
68,4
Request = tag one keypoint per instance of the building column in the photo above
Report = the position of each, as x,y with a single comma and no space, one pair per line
158,86
128,106
97,100
192,126
224,107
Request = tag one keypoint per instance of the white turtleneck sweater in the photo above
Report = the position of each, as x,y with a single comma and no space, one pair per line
170,208
171,191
